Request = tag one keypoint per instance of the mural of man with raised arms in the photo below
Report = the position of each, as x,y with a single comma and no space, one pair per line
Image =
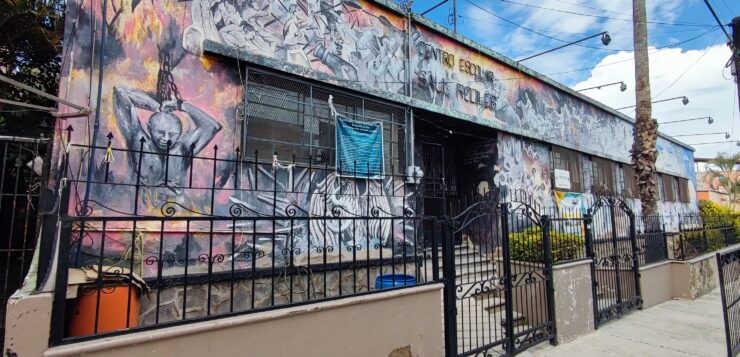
162,129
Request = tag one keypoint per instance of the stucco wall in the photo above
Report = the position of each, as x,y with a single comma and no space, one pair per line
574,312
656,282
695,277
405,322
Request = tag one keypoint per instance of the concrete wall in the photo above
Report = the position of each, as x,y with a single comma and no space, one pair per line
574,311
696,277
398,323
656,283
27,324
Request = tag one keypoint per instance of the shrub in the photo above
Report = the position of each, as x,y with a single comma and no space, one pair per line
527,245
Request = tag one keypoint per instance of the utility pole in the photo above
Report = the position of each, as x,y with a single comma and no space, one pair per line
735,47
454,16
645,131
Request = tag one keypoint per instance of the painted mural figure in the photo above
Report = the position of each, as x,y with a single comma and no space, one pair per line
164,130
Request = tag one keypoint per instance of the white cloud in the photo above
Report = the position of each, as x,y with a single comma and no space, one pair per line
707,84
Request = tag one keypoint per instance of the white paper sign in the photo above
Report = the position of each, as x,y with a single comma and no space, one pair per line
562,179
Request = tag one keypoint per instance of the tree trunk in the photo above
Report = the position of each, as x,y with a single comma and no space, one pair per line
644,153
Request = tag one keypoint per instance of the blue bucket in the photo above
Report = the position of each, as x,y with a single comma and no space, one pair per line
393,280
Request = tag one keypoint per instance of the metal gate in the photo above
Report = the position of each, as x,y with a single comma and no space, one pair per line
498,293
611,244
20,182
728,269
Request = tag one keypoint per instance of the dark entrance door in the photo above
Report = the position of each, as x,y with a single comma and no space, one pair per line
611,243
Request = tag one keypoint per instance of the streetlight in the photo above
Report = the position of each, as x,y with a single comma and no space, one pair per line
684,100
709,120
605,39
622,87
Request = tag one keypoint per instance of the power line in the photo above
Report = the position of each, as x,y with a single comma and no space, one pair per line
685,71
540,33
564,41
605,17
576,33
729,38
655,49
592,8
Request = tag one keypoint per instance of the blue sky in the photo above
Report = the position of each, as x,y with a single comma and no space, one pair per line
687,58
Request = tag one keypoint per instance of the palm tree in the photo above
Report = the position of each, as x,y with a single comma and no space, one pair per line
722,167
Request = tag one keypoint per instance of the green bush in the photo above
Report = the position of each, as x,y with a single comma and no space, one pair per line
527,246
715,220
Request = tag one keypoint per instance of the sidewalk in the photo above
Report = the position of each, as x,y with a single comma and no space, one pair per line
674,328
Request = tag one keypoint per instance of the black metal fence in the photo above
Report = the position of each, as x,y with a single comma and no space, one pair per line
22,166
652,239
728,268
699,235
164,237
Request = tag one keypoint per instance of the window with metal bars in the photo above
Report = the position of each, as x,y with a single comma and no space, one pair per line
588,174
683,188
292,118
661,187
567,160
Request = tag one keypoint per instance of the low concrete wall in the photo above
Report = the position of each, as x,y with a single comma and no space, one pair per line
574,311
695,277
675,279
27,324
399,323
656,283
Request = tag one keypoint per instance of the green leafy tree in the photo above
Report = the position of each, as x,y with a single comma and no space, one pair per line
31,34
723,168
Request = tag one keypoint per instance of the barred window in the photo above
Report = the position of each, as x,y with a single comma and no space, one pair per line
620,181
683,188
567,160
293,118
630,181
670,188
588,174
661,189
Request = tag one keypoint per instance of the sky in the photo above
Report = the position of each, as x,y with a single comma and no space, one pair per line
688,54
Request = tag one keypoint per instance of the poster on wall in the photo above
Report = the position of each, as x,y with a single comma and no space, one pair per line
562,179
359,148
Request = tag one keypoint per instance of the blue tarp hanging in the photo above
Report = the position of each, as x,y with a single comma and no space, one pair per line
359,148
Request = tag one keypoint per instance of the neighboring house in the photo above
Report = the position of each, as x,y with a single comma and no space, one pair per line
708,188
281,142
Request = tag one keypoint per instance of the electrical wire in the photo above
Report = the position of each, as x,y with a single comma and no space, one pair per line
578,33
606,17
541,33
657,96
593,8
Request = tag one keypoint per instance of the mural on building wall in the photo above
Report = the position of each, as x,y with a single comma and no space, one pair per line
523,167
352,40
167,112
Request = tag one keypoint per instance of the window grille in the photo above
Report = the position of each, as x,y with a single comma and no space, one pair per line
292,118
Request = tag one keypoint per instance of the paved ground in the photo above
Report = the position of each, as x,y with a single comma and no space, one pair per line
674,328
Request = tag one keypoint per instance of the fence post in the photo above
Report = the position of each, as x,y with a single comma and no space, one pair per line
547,244
635,257
681,242
58,309
665,242
587,219
508,296
704,234
448,265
